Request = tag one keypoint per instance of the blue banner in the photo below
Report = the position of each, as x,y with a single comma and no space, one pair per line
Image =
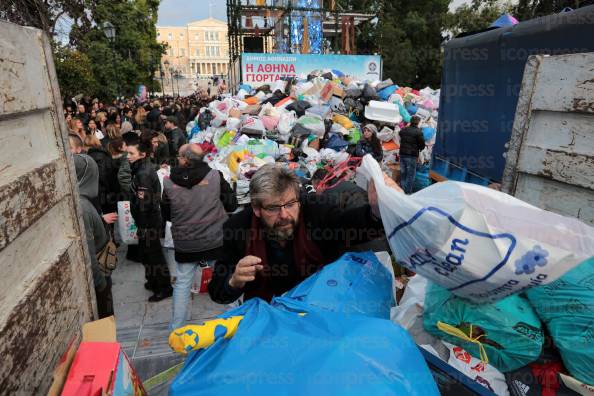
259,69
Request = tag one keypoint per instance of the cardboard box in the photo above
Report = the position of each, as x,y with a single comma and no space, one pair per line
326,93
337,91
98,366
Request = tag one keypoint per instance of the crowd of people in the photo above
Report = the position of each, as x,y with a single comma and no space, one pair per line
117,149
262,249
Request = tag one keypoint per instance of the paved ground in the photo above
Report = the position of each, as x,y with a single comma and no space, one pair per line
142,326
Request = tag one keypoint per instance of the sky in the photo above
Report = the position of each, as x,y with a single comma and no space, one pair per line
181,12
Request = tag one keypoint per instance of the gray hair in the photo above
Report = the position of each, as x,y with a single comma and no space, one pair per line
272,180
192,156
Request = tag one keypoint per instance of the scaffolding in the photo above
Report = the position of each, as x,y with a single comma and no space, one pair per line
284,26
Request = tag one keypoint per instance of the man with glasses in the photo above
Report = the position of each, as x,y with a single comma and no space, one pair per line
284,237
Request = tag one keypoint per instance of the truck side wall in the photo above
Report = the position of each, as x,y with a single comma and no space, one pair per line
550,163
481,80
45,281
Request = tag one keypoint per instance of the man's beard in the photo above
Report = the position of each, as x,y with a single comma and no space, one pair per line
281,234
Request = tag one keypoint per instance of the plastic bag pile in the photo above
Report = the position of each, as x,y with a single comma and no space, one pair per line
307,124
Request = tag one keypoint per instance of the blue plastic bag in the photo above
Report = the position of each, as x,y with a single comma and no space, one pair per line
306,343
422,177
336,143
337,73
245,87
428,133
508,330
278,351
384,94
356,283
566,306
411,108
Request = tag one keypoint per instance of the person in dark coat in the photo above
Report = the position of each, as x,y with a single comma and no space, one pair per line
370,144
175,136
106,200
145,192
87,176
153,118
411,144
284,237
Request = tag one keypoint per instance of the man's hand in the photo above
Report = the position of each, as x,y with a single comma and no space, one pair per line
372,194
110,218
245,271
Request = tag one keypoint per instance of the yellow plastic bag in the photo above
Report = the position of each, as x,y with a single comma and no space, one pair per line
194,337
342,120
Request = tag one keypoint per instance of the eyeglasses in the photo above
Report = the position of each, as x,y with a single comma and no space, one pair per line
276,209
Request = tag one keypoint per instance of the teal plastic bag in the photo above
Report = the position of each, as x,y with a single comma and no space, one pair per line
566,306
509,331
403,112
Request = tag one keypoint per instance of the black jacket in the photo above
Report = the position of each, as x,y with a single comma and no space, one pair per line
365,147
176,138
153,119
334,231
145,190
411,141
345,195
108,180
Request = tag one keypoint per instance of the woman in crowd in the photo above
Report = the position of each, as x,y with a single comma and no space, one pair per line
101,120
92,129
76,126
139,118
160,153
369,143
111,132
145,206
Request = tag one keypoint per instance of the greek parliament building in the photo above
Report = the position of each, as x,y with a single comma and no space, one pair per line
199,49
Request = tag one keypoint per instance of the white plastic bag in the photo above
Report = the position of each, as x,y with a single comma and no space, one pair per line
287,122
386,134
477,242
233,123
269,110
126,224
480,372
314,124
167,242
412,303
162,174
252,124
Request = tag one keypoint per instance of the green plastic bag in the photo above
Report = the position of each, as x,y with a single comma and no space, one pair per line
354,135
506,334
225,139
566,306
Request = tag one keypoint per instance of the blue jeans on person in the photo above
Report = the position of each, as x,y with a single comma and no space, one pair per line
184,277
408,170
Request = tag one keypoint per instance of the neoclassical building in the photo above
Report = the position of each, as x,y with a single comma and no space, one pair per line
199,49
